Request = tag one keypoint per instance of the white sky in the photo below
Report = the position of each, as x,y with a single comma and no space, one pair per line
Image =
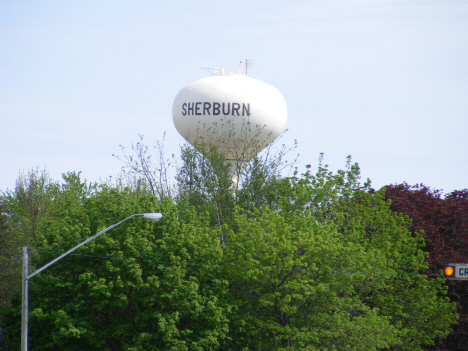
383,81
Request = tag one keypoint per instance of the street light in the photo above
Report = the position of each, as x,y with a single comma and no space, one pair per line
26,276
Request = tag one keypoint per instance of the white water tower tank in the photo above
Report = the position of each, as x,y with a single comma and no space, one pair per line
239,114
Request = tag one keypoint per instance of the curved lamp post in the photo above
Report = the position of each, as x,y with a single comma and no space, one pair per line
26,276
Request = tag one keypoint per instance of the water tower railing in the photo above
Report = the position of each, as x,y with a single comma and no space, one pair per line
226,70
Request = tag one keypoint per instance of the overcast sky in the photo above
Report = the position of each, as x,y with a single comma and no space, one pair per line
383,81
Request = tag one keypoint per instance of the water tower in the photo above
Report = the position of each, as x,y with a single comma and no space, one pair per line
238,114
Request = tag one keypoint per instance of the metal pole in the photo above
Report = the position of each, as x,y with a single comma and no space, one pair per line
24,312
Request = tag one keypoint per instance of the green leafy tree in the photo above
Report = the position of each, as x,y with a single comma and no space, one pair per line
445,225
9,267
23,211
314,261
307,262
204,182
332,268
300,286
142,286
205,179
33,200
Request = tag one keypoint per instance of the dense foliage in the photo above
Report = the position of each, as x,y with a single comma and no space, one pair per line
9,268
22,212
333,268
445,225
130,290
315,261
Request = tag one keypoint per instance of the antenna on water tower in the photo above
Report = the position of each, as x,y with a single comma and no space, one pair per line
229,70
248,63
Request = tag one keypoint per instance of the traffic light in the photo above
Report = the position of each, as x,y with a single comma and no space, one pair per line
456,271
449,272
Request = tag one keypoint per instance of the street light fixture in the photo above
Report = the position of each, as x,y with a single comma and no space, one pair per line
26,276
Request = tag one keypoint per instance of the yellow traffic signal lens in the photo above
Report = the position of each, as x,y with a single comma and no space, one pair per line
448,271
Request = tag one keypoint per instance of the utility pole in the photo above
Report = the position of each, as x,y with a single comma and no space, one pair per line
24,311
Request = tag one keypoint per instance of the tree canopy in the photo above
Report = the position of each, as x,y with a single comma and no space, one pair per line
130,290
444,222
312,261
332,267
